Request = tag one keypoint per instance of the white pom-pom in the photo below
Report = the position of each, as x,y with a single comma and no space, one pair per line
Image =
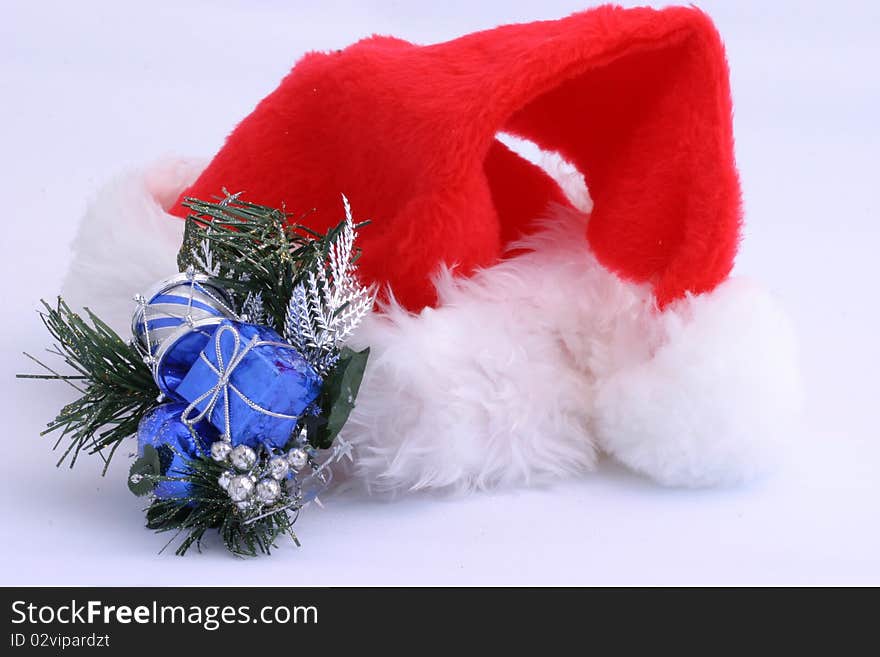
715,403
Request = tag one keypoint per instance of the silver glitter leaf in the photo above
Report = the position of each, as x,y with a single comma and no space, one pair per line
254,309
328,305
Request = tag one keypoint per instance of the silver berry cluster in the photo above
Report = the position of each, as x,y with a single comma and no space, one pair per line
254,483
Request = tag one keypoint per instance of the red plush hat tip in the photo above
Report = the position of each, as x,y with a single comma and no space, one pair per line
637,99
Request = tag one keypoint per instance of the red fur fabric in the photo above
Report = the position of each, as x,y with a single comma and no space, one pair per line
637,99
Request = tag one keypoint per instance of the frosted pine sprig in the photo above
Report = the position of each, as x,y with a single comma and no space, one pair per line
326,307
254,309
203,258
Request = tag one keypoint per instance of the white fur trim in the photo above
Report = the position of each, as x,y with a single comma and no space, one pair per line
127,241
524,371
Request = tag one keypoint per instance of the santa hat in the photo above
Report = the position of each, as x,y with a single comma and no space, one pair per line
519,336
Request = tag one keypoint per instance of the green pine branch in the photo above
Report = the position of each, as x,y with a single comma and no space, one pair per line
116,387
207,507
257,249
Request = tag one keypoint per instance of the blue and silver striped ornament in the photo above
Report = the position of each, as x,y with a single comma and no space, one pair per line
182,300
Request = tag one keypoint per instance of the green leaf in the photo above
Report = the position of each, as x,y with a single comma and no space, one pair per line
339,394
143,472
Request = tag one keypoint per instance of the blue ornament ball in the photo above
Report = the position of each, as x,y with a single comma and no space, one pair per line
163,429
173,322
173,304
179,352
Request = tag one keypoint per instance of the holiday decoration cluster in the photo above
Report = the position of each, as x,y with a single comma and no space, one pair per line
236,380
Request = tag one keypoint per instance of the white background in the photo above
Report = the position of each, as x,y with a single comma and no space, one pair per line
90,88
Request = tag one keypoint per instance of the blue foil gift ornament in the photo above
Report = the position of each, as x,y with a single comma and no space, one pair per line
250,384
175,442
